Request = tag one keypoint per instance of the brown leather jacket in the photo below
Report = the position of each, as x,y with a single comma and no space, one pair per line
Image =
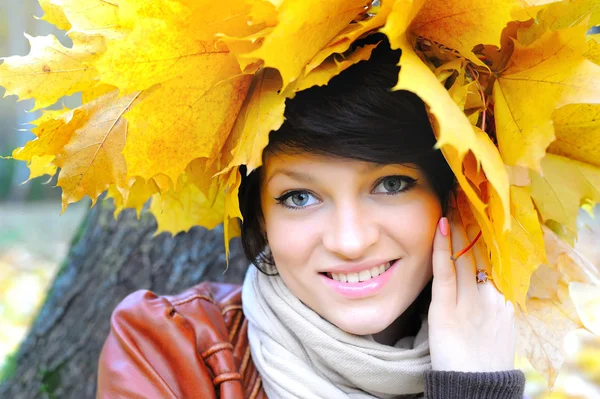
192,345
195,346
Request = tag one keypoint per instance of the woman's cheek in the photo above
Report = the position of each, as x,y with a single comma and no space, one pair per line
290,240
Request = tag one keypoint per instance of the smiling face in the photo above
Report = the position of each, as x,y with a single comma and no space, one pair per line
328,221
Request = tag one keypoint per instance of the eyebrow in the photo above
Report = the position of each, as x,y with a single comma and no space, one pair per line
309,178
293,174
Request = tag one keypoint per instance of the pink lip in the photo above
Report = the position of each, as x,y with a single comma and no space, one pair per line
361,289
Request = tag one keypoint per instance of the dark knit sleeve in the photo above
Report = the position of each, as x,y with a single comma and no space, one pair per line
508,384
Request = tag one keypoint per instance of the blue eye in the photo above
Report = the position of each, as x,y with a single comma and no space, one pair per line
297,199
394,184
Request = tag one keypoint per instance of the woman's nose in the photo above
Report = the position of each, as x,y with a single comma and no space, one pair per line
351,232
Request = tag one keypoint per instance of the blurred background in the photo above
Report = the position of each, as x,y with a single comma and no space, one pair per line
35,237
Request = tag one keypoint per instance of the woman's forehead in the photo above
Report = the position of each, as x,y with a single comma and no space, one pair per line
306,162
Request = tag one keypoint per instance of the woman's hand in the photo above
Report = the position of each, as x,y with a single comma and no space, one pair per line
471,326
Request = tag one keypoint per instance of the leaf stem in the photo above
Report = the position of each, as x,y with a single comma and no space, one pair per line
457,255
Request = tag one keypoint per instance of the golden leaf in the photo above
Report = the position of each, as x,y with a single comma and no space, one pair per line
186,207
541,332
303,28
571,265
331,67
561,186
261,113
40,166
53,130
166,133
134,194
461,25
567,13
453,127
232,214
577,131
89,17
92,159
521,249
552,68
51,70
587,301
54,14
553,306
593,49
341,42
169,37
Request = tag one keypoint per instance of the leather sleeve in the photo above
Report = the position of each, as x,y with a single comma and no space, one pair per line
151,352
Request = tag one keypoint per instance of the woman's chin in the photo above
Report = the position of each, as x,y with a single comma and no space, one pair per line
364,325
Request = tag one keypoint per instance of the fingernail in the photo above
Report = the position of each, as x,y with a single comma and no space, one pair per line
444,226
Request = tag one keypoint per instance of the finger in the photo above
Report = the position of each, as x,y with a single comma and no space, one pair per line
482,260
443,288
465,264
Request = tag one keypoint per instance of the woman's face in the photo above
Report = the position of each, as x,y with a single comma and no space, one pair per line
330,222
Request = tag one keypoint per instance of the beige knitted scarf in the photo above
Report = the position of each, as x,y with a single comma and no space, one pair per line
301,355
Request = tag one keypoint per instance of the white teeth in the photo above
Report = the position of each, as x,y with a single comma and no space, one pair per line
364,275
375,272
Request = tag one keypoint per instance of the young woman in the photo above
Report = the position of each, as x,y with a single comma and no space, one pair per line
353,293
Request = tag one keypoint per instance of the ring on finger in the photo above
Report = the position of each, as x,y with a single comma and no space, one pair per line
482,276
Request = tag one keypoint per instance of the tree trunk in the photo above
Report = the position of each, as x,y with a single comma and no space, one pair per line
107,261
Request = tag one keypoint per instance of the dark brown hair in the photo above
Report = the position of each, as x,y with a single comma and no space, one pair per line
356,116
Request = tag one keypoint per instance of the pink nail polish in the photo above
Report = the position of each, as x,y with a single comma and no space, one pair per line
444,226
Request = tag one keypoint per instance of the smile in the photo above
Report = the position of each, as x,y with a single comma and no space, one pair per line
358,284
364,275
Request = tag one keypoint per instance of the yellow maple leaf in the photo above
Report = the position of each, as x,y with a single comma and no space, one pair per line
560,188
593,48
261,113
541,331
571,264
53,130
166,37
303,28
134,194
577,131
587,301
566,13
461,25
341,42
552,68
51,70
329,68
165,134
521,249
89,17
562,294
92,159
54,14
185,207
40,166
232,214
455,133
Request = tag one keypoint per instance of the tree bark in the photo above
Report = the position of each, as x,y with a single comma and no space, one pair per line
107,261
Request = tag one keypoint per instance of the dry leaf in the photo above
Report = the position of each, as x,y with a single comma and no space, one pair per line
51,71
560,188
554,70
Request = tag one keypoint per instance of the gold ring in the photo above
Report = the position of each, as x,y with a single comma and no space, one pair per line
482,276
